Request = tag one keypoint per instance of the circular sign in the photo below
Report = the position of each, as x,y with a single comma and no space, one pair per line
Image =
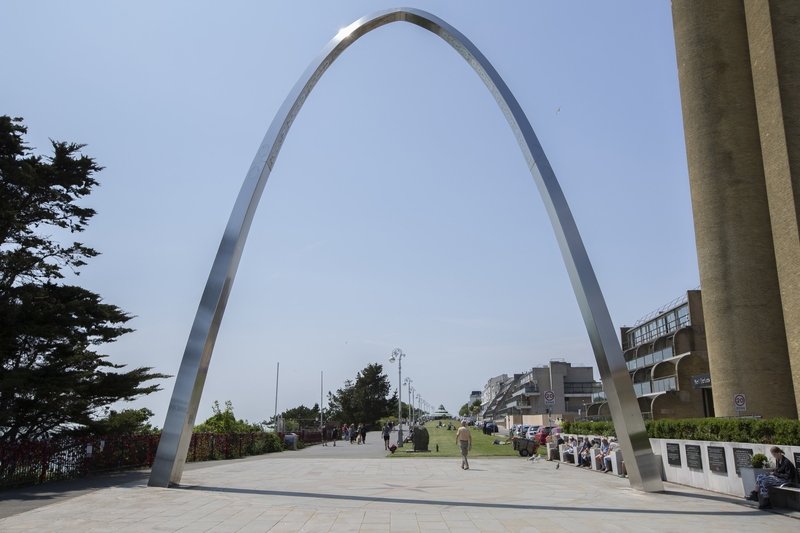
549,397
738,400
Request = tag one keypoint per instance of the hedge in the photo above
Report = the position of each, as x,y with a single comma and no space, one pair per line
780,431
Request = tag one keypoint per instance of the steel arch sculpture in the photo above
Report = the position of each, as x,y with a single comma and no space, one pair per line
643,471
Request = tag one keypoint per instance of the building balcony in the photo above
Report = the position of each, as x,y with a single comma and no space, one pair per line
657,385
582,389
650,359
529,390
519,404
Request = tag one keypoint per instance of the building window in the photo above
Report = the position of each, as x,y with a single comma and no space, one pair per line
683,316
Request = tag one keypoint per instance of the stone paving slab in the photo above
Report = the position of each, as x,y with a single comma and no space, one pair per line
344,492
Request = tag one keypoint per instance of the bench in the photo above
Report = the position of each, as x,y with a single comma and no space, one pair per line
786,495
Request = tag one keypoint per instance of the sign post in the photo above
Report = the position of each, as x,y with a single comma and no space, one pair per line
549,398
739,403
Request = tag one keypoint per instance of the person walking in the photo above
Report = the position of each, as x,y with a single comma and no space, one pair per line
363,430
324,432
464,440
334,434
386,432
353,433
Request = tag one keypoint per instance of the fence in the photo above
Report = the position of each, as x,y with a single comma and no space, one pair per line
32,462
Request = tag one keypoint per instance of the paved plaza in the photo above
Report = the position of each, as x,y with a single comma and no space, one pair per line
356,488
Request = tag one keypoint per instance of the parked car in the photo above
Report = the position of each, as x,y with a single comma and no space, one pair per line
532,431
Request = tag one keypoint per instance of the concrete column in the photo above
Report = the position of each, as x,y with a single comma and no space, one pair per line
741,298
773,28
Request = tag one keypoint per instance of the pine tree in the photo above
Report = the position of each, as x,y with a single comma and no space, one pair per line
52,378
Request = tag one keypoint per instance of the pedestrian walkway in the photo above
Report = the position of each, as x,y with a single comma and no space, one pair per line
372,448
330,489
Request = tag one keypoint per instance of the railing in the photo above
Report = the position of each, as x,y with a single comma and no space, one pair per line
582,388
665,384
652,358
528,389
32,462
657,385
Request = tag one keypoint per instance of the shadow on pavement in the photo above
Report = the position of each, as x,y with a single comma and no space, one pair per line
372,499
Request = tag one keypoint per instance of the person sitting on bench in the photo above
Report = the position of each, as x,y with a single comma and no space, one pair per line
784,472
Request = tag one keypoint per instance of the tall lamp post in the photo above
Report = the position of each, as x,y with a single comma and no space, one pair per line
397,355
419,403
410,414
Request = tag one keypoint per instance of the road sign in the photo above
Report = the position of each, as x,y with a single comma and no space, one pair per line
739,402
549,397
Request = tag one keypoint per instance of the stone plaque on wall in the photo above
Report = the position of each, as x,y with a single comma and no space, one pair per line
673,454
742,457
694,458
716,459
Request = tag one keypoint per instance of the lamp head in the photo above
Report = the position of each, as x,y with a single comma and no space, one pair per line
391,359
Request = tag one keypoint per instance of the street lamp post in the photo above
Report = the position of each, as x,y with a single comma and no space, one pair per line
397,355
410,414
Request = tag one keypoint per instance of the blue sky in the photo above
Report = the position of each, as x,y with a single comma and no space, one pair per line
400,212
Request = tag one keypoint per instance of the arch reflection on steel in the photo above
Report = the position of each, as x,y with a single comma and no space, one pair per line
643,471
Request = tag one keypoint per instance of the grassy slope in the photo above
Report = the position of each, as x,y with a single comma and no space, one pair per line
481,444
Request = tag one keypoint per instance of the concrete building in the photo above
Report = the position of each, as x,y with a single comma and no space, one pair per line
475,396
668,362
520,398
491,389
739,75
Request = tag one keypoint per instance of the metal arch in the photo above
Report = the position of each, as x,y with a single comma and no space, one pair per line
643,471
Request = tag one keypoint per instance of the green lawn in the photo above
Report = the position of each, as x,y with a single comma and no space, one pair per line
482,445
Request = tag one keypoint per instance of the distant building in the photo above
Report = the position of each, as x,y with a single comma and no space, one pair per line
474,396
520,399
491,389
668,362
441,412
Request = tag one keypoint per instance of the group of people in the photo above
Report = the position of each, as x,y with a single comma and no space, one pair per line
580,453
355,434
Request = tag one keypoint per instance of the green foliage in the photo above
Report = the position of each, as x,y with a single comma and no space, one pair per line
590,428
224,421
125,422
216,446
300,417
272,443
365,400
759,461
464,411
52,377
779,431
